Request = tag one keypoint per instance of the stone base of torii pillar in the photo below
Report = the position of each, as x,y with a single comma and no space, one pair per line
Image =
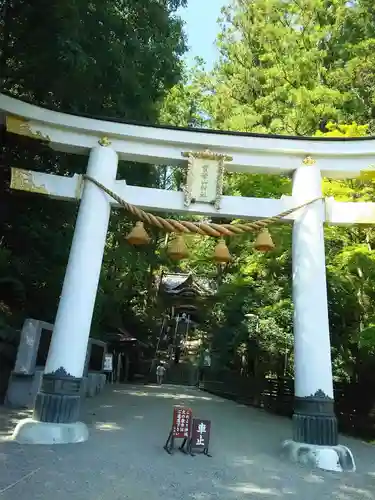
30,431
330,458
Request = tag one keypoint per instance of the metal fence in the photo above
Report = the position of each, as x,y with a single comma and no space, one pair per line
354,403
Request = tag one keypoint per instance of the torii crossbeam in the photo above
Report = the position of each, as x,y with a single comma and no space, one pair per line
162,200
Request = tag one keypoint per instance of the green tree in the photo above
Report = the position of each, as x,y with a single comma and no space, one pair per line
290,67
113,59
301,68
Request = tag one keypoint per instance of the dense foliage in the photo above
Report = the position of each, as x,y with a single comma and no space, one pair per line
304,67
108,59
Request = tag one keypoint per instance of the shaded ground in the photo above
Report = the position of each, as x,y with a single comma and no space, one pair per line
124,458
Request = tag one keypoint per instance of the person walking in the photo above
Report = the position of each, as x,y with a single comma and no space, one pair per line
203,367
160,372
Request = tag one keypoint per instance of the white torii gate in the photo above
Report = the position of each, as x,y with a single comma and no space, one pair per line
56,412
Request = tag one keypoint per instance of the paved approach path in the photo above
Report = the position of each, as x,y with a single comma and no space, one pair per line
124,458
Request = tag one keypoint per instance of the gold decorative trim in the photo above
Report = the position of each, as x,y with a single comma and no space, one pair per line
219,184
187,188
20,126
43,137
309,161
79,186
206,155
23,181
367,175
104,141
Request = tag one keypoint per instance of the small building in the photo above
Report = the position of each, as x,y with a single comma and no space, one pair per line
183,298
129,355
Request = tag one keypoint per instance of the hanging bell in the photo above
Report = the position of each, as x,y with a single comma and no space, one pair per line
138,235
264,242
177,249
222,254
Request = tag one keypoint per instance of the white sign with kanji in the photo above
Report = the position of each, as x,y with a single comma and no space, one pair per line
204,181
201,433
182,418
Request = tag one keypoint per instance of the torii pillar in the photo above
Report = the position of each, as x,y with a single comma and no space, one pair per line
315,434
57,406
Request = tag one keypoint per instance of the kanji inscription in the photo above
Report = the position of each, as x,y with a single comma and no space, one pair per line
182,418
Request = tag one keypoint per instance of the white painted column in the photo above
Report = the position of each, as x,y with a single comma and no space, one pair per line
312,350
73,321
315,434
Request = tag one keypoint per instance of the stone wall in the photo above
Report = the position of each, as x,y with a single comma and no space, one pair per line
30,359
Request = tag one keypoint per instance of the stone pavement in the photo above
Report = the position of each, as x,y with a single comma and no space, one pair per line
124,458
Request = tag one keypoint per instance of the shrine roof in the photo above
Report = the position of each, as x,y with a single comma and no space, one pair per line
180,283
123,337
174,280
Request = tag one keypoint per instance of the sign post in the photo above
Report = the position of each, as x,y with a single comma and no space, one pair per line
108,366
181,427
108,363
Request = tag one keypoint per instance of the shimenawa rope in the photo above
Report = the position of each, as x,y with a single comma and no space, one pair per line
203,228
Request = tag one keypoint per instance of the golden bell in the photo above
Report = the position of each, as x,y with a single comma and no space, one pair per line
138,235
221,252
264,242
177,249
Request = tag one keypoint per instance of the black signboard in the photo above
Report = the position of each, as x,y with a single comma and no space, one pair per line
200,436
